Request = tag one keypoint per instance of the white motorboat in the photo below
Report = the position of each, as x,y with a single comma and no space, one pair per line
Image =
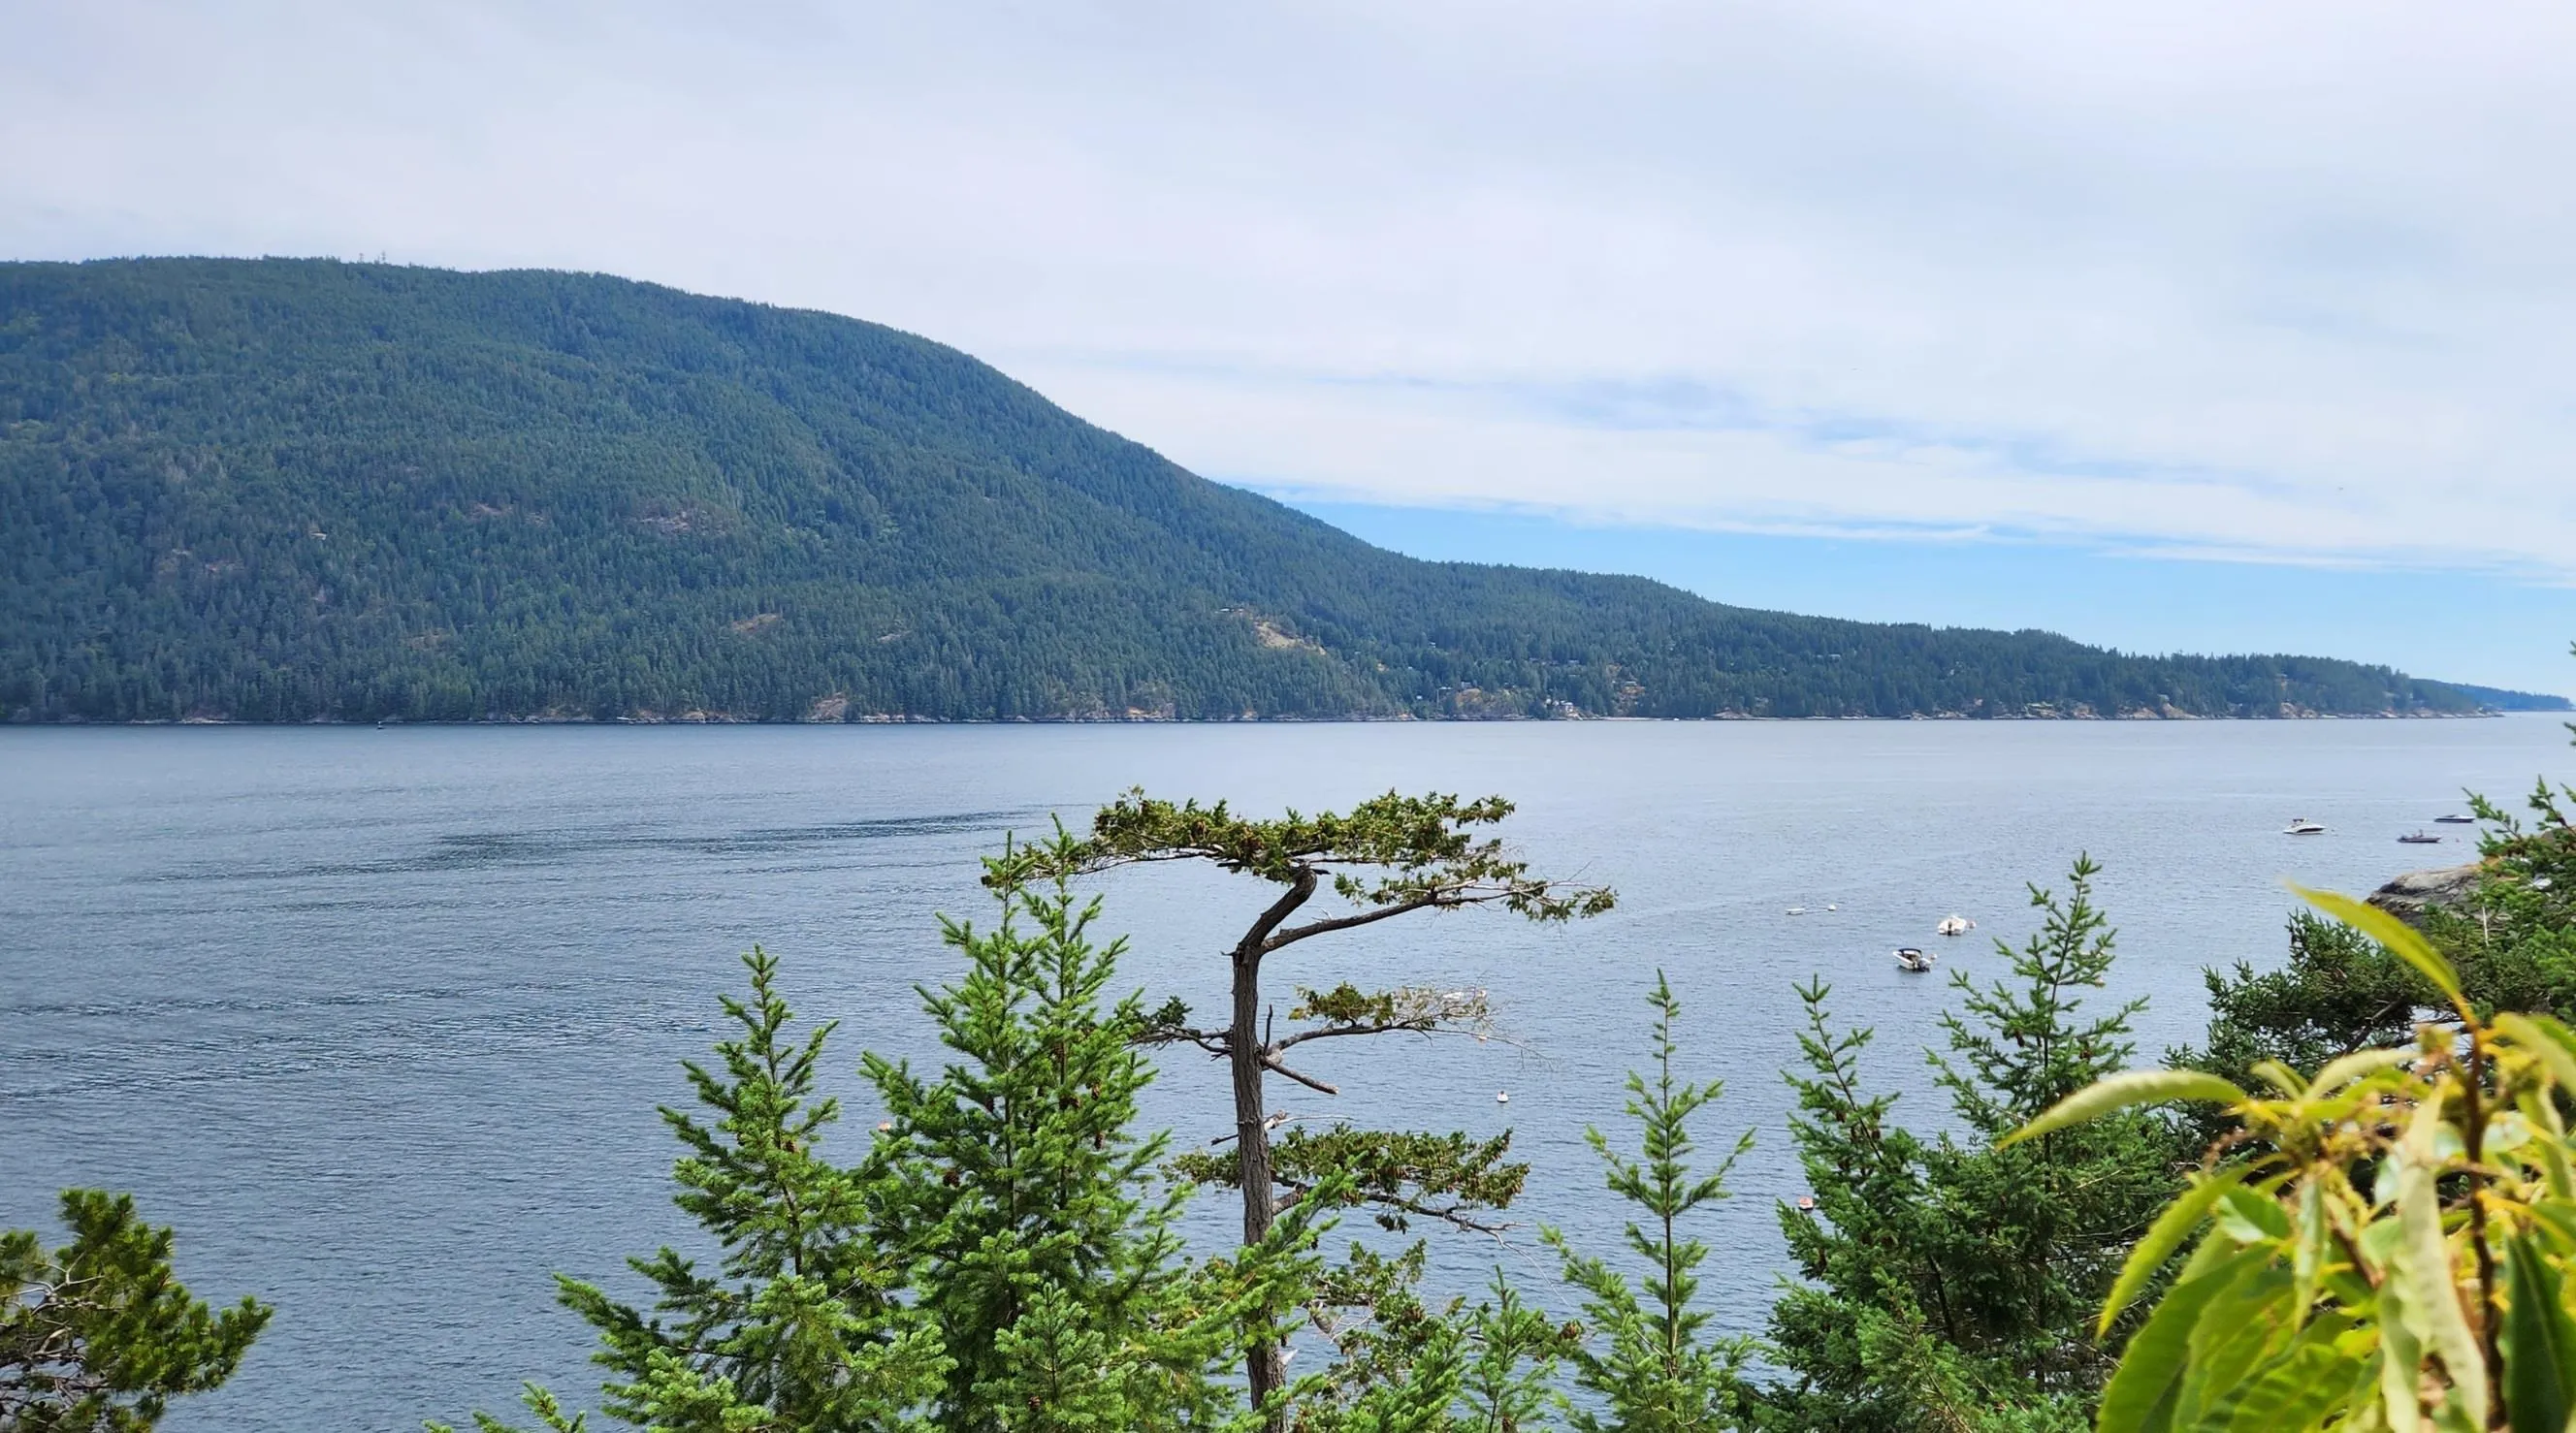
1954,925
1912,960
2302,826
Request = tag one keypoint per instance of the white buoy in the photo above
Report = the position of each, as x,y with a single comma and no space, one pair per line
1502,1097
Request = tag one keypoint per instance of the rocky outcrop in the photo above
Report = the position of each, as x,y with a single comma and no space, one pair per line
2410,895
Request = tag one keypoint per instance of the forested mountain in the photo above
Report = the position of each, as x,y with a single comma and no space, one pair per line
290,489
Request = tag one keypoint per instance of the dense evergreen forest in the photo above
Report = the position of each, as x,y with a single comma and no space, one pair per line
286,490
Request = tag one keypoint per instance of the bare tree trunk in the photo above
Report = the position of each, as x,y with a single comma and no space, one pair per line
1265,1364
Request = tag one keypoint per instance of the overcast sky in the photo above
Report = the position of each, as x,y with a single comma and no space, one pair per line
2288,286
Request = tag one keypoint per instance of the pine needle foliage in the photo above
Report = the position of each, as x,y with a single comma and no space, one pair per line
1651,1361
804,1322
1947,1283
1404,1366
98,1335
1027,1198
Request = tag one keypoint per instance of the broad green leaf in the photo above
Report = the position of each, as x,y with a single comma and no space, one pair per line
2559,1218
2556,1029
2281,1077
2244,1326
2388,930
2552,1044
2540,1107
2121,1091
2144,1390
2267,1218
2308,1249
2383,1192
2423,1264
2344,1069
2401,1359
2163,1237
2506,1132
2295,1390
2539,1343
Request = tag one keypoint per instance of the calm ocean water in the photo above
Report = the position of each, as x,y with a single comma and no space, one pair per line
378,1019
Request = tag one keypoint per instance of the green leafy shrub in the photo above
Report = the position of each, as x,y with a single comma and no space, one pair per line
2384,1245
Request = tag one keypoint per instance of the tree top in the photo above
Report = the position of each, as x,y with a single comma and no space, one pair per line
1388,853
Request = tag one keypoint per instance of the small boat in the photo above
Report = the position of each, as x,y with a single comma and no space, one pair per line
1954,925
1795,911
2302,826
1912,960
1502,1097
2419,839
2455,820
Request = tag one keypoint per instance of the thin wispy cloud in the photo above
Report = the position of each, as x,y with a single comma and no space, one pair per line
2293,282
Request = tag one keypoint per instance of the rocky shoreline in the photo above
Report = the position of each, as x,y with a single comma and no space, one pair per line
2410,895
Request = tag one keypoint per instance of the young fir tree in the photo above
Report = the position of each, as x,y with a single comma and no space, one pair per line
1651,1362
804,1323
1391,856
1056,1278
1403,1366
1514,1352
99,1335
1948,1281
2513,941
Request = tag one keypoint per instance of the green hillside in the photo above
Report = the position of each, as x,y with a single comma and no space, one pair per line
284,489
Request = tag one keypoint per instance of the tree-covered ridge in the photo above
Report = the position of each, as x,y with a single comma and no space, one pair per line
294,489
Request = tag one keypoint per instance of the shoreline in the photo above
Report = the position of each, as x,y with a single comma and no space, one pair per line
729,719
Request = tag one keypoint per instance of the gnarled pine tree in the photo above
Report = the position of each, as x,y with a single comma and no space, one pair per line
1390,856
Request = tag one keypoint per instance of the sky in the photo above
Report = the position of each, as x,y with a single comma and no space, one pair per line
2183,326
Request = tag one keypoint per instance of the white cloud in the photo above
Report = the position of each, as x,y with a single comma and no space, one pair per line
2295,280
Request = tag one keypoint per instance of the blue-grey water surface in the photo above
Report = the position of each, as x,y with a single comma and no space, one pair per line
379,1018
